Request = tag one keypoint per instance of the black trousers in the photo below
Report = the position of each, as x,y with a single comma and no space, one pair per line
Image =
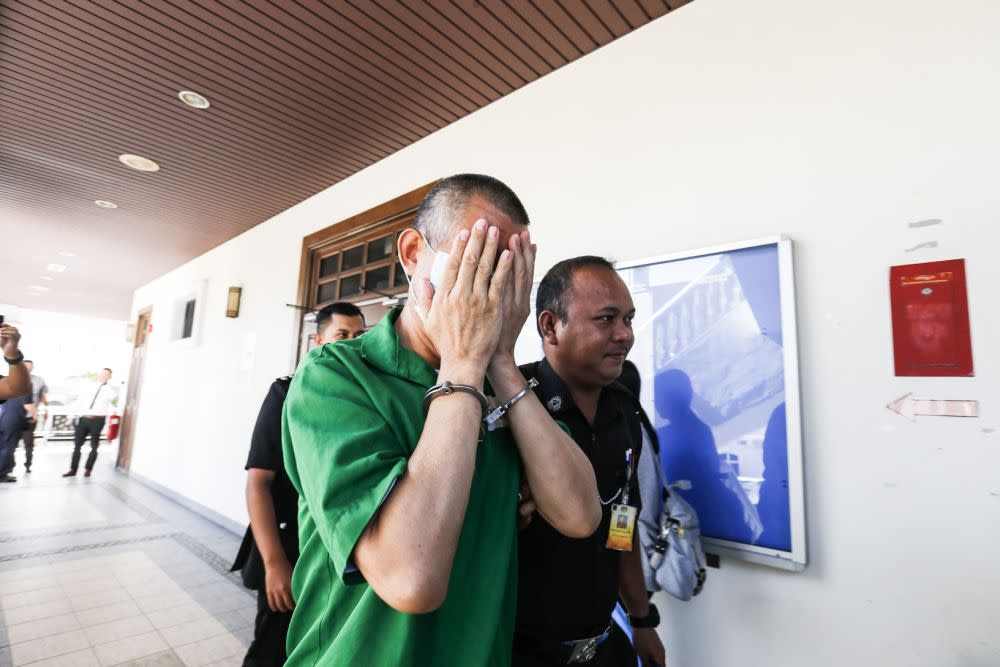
91,426
270,631
28,438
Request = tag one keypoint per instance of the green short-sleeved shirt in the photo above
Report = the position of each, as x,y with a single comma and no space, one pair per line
352,419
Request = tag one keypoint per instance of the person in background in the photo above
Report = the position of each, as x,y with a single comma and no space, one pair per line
94,405
568,588
15,392
271,544
39,397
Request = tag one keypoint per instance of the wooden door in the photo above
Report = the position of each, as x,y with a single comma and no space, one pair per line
134,389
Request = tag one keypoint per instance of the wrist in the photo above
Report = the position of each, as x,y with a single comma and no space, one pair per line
462,372
277,560
13,358
502,360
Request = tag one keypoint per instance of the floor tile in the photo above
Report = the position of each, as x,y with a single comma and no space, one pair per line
111,612
164,659
160,585
43,627
10,601
80,587
158,602
167,618
99,599
193,631
48,647
37,611
26,582
210,650
231,661
123,650
115,630
84,658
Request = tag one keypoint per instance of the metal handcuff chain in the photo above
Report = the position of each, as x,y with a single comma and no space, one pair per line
608,502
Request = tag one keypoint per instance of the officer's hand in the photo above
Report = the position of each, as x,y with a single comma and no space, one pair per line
517,300
648,647
525,506
278,585
463,317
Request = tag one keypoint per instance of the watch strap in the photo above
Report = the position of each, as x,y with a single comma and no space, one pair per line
650,620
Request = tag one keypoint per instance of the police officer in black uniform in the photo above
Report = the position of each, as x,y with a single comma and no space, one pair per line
567,588
267,558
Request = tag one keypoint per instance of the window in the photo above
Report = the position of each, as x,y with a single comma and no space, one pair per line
188,326
360,269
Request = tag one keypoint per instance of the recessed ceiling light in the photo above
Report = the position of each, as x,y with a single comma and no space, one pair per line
63,253
39,288
103,203
56,268
138,162
193,99
46,277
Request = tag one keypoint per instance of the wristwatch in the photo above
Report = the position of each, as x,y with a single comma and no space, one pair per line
16,360
650,620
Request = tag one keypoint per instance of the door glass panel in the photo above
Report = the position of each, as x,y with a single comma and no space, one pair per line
353,258
380,249
378,278
327,292
399,278
329,266
350,286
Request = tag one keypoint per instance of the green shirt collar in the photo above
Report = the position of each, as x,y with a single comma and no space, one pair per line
381,348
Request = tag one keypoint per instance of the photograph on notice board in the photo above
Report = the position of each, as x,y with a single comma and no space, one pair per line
711,347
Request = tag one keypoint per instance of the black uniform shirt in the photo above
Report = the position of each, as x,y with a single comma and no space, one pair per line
265,453
567,588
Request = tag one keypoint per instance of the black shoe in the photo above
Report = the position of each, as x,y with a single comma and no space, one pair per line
8,478
27,470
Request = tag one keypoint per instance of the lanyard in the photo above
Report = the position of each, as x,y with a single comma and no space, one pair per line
629,466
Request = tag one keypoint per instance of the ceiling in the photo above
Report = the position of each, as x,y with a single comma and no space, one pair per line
303,94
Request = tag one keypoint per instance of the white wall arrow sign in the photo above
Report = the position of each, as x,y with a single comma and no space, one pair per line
910,408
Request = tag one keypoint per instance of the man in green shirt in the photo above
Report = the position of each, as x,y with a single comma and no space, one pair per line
407,502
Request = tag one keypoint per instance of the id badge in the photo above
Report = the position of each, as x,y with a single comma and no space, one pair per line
622,527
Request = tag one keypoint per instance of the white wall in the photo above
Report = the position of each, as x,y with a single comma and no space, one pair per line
836,124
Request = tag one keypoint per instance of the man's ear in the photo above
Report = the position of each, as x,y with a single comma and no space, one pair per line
318,338
408,248
547,324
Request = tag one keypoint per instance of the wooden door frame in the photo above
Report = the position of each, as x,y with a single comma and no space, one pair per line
127,420
382,215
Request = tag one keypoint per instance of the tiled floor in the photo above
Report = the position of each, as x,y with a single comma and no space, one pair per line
104,571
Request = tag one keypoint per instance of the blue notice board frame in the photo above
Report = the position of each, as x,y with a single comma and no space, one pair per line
716,345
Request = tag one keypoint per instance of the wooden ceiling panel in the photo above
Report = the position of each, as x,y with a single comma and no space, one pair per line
303,94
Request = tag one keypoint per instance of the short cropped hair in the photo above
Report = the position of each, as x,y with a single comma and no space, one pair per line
326,313
450,196
553,291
